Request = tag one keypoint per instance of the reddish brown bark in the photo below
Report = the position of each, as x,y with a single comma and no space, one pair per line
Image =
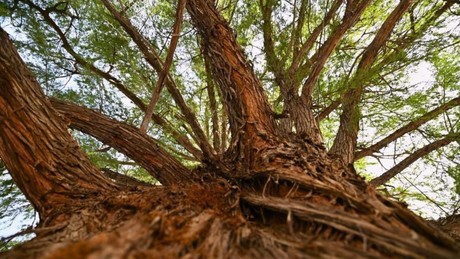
127,140
41,156
292,200
246,104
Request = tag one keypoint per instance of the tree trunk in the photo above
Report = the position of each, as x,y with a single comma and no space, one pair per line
278,197
42,158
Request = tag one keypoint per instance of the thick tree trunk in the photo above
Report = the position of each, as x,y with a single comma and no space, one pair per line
250,115
280,197
42,158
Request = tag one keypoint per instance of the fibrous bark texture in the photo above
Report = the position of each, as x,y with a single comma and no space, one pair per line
277,195
47,164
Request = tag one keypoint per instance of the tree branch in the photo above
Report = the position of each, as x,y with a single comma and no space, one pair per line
408,128
347,135
127,140
181,139
325,51
164,72
243,95
41,156
385,177
154,60
301,54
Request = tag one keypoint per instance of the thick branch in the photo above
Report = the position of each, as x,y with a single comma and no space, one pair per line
126,139
408,128
243,95
347,135
41,156
385,177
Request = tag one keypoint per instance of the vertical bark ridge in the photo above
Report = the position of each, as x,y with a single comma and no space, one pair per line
246,104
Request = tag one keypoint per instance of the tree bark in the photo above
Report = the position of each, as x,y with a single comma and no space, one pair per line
347,136
41,156
289,199
126,139
249,113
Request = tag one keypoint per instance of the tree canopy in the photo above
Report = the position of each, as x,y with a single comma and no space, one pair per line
156,92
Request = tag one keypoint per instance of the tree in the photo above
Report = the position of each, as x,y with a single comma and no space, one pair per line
247,175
